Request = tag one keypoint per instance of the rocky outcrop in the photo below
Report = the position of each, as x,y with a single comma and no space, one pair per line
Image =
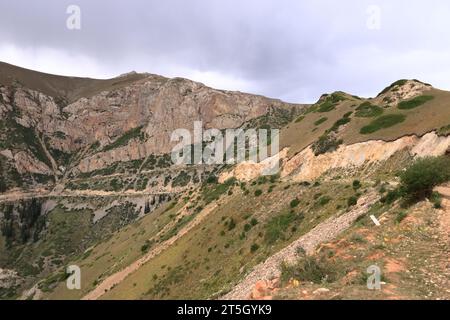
156,104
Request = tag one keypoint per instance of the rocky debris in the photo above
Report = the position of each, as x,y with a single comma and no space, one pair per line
323,232
25,162
305,166
265,289
9,279
321,291
248,171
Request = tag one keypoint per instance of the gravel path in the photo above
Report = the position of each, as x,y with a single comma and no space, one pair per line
324,232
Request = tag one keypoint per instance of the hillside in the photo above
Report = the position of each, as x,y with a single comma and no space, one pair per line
87,180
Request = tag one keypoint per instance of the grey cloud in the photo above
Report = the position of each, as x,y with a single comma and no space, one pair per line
293,50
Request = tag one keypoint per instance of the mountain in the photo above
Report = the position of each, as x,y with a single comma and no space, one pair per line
87,180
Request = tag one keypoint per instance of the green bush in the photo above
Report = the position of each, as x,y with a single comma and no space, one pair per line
383,122
326,143
258,193
415,102
356,184
310,269
353,200
418,181
254,247
294,203
324,200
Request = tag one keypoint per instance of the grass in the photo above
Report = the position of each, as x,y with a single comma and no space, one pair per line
444,131
320,121
368,110
383,122
415,102
277,226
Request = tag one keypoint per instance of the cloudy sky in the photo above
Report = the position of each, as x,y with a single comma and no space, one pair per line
289,49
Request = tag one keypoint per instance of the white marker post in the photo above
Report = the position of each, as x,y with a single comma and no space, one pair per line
375,220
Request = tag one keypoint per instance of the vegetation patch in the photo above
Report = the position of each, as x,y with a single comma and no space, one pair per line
395,84
418,181
320,121
277,226
123,140
383,122
318,270
326,143
368,110
415,102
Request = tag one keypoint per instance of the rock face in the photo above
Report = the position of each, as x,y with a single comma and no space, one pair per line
100,113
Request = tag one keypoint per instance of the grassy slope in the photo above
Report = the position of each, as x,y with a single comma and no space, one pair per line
60,86
123,248
433,115
212,257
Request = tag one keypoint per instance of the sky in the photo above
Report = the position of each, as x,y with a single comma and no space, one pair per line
288,49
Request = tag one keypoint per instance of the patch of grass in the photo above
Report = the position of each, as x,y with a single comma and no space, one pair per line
383,122
368,110
444,131
327,106
320,121
276,227
258,193
415,102
300,119
213,192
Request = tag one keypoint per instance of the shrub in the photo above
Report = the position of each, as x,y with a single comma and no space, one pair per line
353,200
326,143
231,224
383,122
310,269
258,193
368,110
356,184
253,222
391,196
401,215
294,203
418,181
254,247
324,200
415,102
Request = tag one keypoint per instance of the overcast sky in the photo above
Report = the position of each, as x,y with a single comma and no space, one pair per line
294,50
